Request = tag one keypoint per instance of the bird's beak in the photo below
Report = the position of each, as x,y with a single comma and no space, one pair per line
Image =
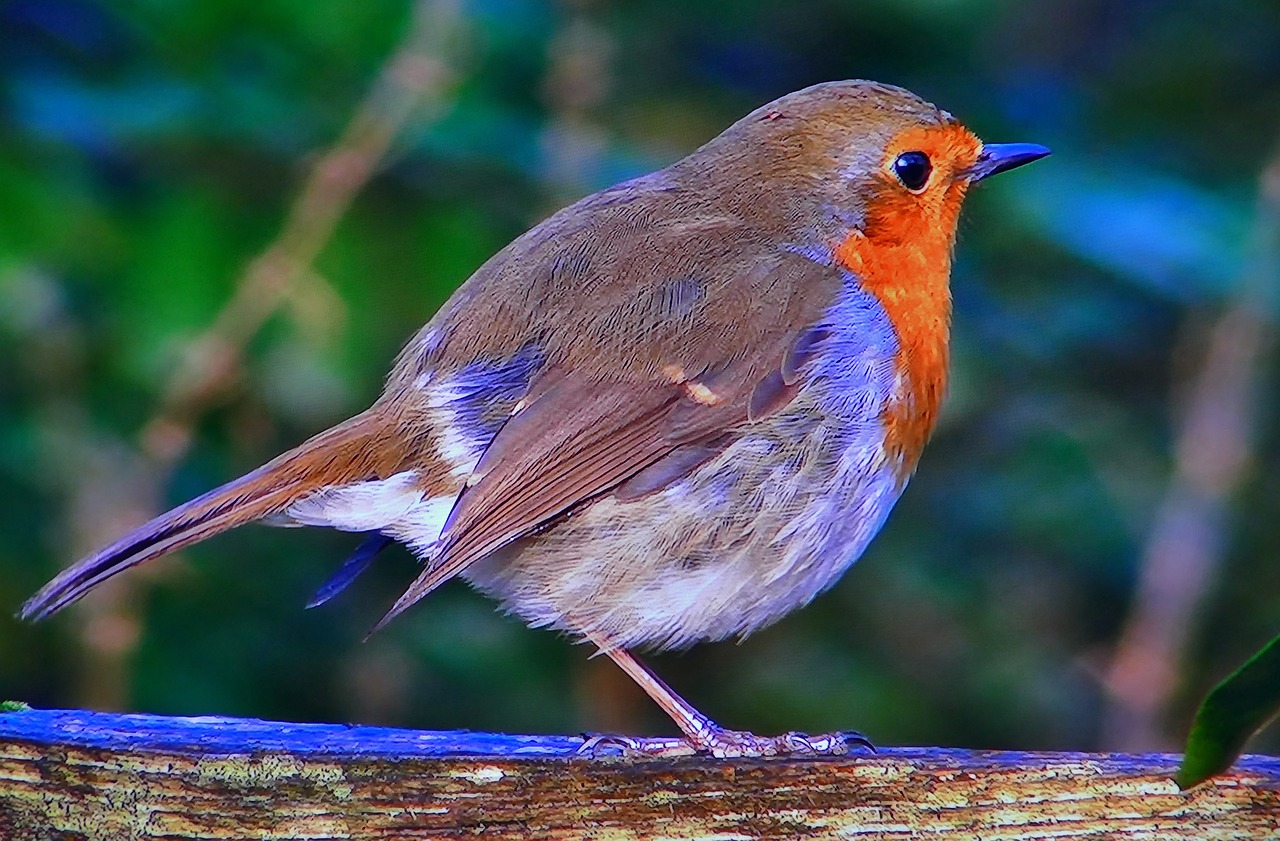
997,157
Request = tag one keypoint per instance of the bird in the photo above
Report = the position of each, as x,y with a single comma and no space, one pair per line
670,413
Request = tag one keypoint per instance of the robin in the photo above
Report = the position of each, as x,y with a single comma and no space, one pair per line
670,413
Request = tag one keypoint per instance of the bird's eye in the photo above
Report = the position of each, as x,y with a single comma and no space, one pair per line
912,169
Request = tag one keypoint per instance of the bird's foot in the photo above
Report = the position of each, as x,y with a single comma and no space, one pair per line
721,743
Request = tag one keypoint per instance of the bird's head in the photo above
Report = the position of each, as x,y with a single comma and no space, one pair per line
864,156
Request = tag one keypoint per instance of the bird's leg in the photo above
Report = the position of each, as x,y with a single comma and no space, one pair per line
702,735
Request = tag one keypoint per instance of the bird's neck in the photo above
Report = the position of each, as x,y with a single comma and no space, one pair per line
908,271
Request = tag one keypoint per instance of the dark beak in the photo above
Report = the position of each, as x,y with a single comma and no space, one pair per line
997,157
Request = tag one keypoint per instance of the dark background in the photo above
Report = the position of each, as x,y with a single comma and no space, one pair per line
219,221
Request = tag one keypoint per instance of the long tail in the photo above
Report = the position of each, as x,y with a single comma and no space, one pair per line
348,452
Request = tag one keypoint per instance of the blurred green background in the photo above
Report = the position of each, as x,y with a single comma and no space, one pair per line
1089,542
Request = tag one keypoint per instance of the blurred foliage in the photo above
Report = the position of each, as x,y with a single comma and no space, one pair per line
1231,713
149,151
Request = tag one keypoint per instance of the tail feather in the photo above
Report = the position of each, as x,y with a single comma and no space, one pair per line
341,454
351,569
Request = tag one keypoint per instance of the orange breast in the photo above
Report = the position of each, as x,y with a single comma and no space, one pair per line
912,287
903,257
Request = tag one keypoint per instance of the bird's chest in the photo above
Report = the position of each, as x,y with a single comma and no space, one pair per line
813,483
906,272
874,387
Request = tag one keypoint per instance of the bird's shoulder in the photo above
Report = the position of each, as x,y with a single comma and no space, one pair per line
628,282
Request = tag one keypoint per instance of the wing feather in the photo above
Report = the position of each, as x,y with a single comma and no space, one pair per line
585,431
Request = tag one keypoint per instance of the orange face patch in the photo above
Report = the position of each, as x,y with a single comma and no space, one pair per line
903,257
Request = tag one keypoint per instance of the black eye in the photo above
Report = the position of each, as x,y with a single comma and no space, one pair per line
912,169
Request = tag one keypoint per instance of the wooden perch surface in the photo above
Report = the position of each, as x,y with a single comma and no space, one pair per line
82,775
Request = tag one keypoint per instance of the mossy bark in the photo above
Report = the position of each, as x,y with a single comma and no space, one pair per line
93,776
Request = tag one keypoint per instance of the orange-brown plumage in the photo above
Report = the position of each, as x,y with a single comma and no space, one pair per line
672,412
903,256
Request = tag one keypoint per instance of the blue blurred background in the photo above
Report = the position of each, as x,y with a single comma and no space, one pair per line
218,222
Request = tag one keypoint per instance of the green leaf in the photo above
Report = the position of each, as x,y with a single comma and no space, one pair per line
14,706
1237,708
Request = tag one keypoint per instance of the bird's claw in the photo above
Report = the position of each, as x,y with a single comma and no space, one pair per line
636,745
723,744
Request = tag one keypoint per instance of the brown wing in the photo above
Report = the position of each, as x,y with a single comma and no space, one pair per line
579,439
581,433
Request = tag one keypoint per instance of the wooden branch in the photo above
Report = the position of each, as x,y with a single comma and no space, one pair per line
83,775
